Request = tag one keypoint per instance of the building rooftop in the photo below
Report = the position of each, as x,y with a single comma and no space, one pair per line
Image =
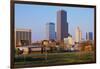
23,29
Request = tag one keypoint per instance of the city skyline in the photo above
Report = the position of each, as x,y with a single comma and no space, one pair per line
27,19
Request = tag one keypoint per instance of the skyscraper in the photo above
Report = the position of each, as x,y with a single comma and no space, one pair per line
78,35
62,25
89,36
50,31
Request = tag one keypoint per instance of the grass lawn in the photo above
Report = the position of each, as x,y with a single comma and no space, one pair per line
54,58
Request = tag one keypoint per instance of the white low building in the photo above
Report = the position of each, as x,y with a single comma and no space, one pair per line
69,42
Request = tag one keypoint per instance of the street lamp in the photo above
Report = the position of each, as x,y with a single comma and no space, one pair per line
45,44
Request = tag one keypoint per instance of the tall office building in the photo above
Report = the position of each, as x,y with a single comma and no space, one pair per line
62,25
23,37
89,35
78,35
50,31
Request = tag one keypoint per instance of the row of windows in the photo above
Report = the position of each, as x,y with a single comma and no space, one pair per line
23,35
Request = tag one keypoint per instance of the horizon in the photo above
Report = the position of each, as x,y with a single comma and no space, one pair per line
26,15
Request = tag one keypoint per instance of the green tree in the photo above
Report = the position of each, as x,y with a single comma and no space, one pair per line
17,51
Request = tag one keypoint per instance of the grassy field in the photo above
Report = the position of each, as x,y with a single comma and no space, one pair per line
54,58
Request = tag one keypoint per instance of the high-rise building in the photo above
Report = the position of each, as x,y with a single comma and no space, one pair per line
62,25
78,35
50,31
89,36
23,37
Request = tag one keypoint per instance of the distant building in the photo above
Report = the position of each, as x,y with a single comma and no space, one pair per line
55,35
23,37
78,35
62,25
89,35
50,31
69,42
